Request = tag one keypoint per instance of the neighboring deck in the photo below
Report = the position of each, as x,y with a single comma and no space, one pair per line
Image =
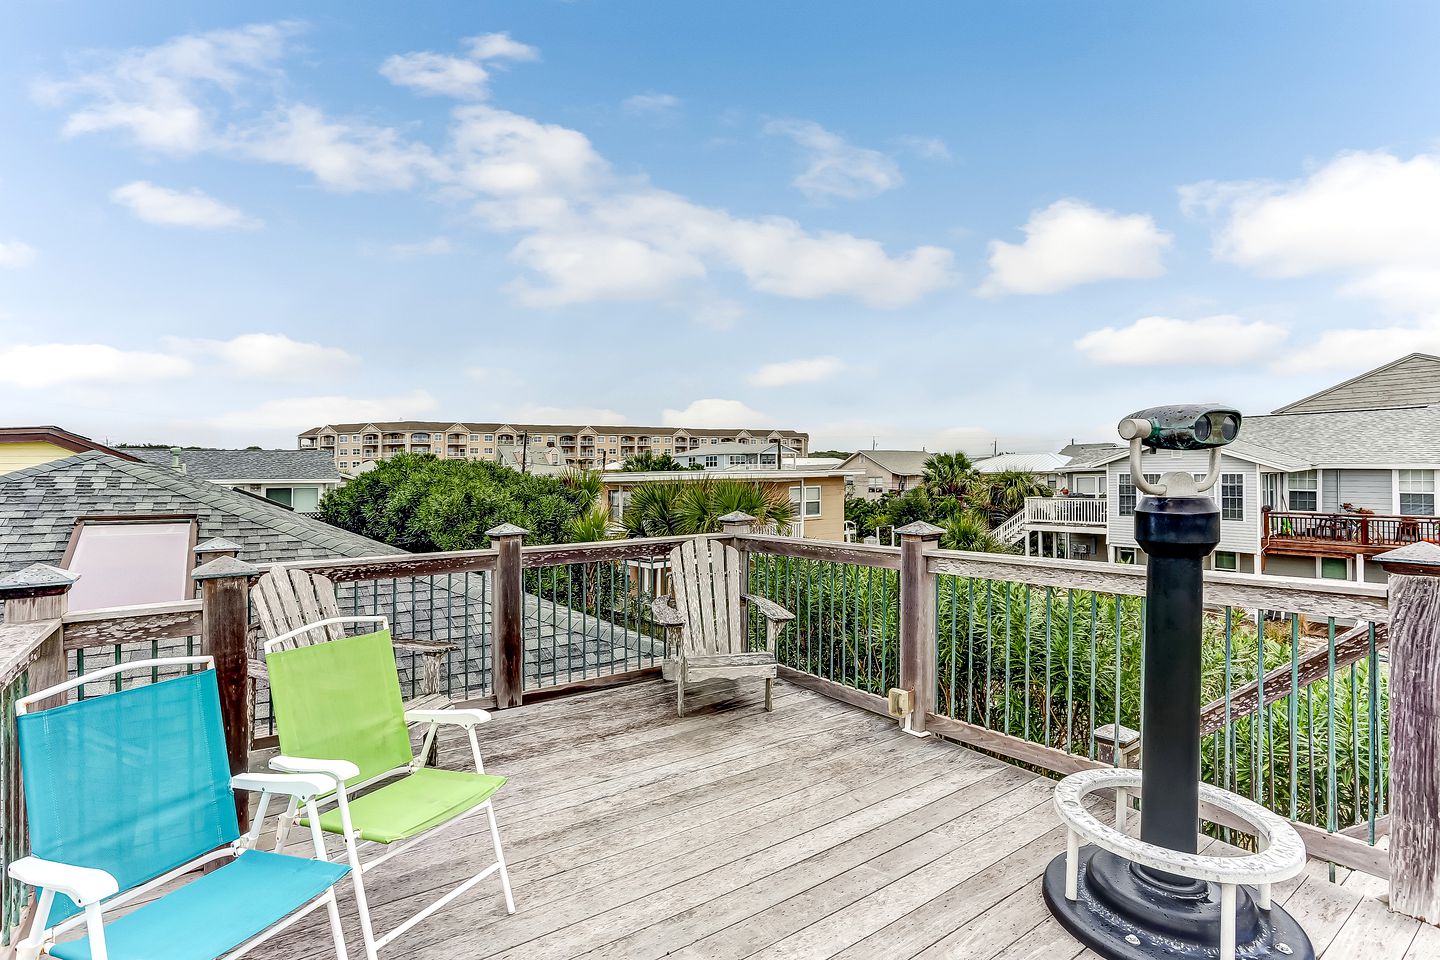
818,830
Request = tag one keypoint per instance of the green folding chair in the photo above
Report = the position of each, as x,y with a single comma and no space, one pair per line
338,711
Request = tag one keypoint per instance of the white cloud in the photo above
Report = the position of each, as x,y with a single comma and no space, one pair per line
1162,341
437,74
714,413
651,104
164,96
434,247
1371,216
269,355
788,372
1362,347
293,414
499,46
1070,243
345,157
926,148
14,254
174,208
718,313
594,416
57,364
835,168
583,232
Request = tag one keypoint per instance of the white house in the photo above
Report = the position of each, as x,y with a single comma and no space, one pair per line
739,456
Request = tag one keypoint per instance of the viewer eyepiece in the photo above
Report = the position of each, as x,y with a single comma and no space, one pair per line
1188,426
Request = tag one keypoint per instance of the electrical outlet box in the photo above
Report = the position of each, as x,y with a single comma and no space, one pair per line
902,703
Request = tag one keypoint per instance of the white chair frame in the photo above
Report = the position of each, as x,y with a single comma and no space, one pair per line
342,770
97,891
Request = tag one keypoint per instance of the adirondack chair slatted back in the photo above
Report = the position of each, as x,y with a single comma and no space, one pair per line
286,600
134,782
708,581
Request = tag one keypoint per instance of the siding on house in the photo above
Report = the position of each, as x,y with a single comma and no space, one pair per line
18,456
1371,489
1411,381
1239,536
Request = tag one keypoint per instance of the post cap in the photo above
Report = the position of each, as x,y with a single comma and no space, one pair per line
224,567
737,516
922,529
1421,558
506,530
217,545
37,580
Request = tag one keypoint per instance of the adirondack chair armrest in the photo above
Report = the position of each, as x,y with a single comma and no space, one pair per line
256,669
458,717
665,614
299,785
338,770
769,609
424,646
84,885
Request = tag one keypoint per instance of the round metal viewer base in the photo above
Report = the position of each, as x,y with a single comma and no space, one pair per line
1121,914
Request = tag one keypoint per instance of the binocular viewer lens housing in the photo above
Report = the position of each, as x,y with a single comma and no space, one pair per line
1191,426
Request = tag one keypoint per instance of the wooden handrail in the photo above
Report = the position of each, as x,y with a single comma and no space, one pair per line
20,645
859,554
134,624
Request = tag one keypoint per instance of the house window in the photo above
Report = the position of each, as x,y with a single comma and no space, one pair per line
1088,486
1334,568
1417,493
1270,490
123,562
1125,554
617,505
812,500
875,484
489,437
1304,490
712,461
1127,493
1232,497
474,437
1226,560
299,499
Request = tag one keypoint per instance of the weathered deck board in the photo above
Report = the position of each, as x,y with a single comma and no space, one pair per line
815,831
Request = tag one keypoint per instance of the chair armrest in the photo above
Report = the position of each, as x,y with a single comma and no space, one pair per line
300,785
257,671
453,717
84,885
338,770
665,614
424,646
769,608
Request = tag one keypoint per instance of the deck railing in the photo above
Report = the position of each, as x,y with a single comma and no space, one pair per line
1066,511
1034,659
1351,532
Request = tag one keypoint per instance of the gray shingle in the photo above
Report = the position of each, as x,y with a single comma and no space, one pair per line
245,464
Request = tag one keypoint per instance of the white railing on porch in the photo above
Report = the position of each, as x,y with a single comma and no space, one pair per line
1066,511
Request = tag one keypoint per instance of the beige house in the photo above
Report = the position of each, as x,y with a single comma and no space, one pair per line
886,471
818,496
578,445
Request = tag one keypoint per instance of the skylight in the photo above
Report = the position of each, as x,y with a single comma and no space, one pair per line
122,563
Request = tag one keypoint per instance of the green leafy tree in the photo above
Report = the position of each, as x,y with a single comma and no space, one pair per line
421,503
648,462
950,476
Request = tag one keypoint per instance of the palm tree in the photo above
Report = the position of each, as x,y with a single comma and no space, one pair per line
591,526
969,530
950,476
649,462
587,482
682,507
1008,489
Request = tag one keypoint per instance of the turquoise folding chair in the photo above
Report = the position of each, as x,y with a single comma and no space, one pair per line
129,791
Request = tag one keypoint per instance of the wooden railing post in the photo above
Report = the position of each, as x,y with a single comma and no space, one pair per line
1414,587
507,632
917,618
41,592
224,625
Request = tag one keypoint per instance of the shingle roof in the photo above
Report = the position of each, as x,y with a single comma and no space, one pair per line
1402,436
909,463
204,464
1243,448
39,506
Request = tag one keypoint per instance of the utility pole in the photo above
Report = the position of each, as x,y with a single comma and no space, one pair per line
524,453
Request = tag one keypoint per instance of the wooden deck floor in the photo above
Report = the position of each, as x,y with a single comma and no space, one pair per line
818,830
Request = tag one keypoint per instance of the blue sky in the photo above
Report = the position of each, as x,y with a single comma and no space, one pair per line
948,224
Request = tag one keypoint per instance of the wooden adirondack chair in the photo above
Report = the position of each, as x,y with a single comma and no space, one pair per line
707,627
285,600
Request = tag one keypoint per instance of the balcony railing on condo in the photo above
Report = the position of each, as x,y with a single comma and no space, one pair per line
1027,658
1293,531
1066,511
